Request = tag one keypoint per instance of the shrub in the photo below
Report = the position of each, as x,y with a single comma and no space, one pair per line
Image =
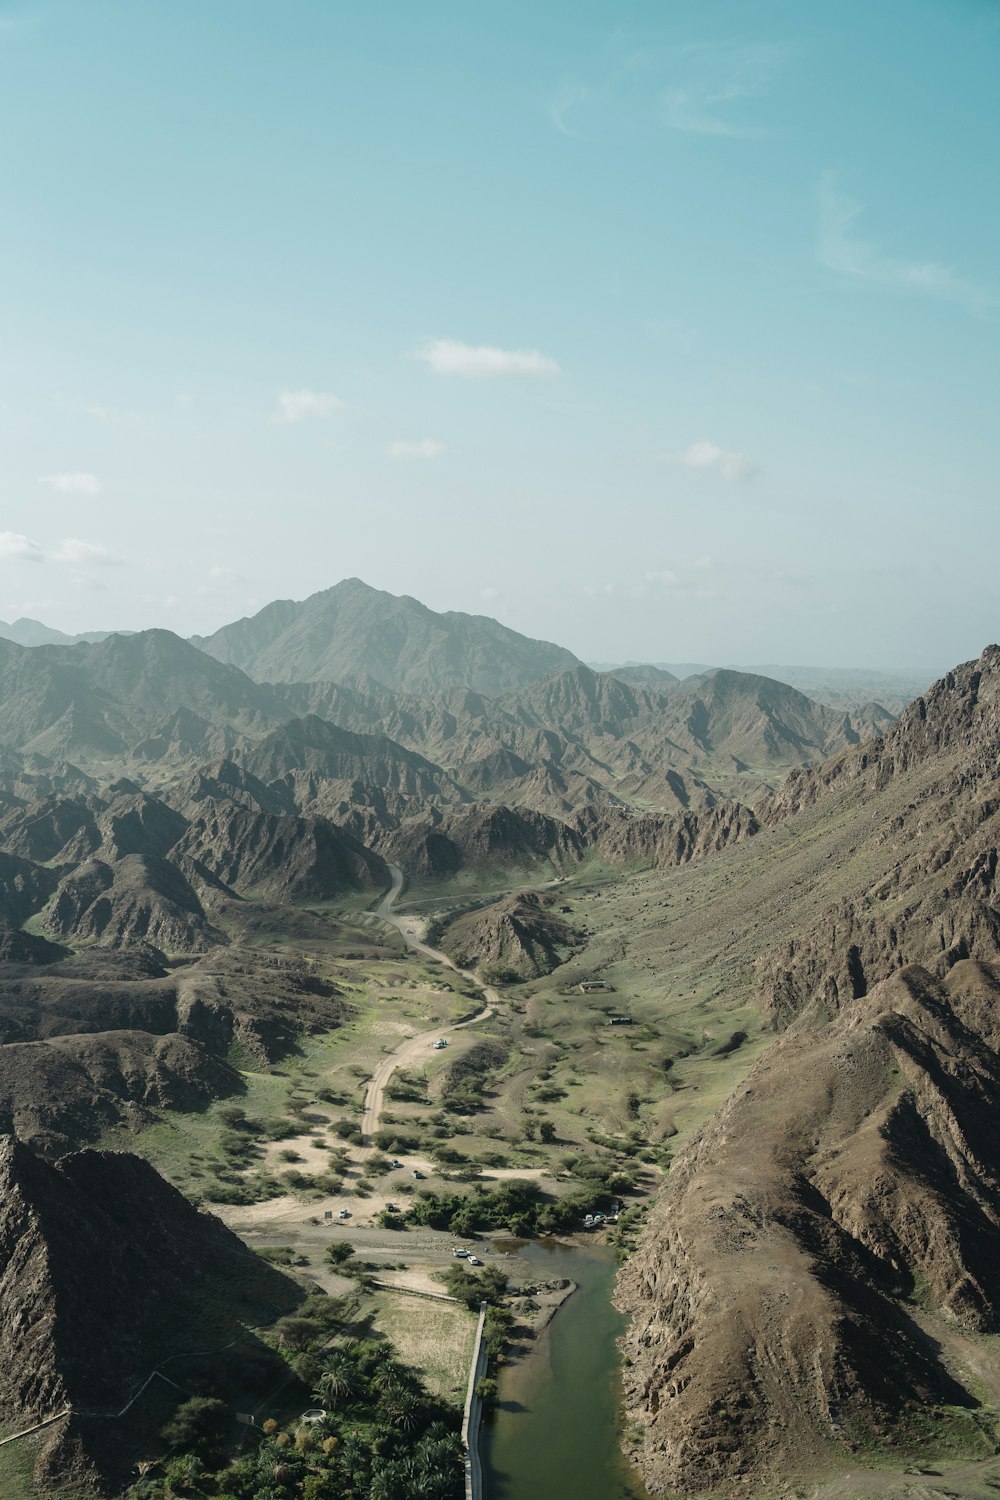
198,1426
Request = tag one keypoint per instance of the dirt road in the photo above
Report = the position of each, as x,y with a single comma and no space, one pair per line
289,1210
416,1046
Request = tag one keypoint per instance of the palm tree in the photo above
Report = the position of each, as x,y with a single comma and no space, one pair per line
339,1381
401,1408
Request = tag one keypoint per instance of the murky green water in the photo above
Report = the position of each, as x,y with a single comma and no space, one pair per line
555,1435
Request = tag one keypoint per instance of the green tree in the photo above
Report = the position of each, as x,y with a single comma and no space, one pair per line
198,1426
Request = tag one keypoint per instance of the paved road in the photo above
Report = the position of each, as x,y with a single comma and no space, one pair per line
416,1047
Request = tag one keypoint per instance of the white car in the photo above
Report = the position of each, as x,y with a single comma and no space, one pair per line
459,1252
345,1213
473,1260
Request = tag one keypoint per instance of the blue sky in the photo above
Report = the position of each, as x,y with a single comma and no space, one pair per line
665,330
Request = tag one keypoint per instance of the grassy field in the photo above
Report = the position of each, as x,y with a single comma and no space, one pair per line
432,1336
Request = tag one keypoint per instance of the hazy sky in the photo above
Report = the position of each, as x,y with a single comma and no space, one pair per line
665,330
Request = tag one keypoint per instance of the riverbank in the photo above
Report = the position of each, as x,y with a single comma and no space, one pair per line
556,1429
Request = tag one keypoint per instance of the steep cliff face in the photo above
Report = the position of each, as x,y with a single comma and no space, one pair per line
922,887
106,1270
859,1164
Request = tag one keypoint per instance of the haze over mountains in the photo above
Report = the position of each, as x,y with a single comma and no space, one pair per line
146,781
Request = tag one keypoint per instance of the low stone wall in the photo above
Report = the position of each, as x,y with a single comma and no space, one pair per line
472,1420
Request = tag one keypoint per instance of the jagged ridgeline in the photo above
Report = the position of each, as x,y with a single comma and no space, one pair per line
827,1250
145,784
192,832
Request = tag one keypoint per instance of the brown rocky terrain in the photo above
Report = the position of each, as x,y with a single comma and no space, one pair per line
523,934
792,1298
106,1271
931,790
105,1039
854,1173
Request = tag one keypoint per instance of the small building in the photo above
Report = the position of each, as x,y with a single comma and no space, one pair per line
596,987
620,1021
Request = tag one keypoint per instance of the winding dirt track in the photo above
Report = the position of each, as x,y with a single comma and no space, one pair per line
415,1046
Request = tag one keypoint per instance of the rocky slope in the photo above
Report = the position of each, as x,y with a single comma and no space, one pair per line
858,1166
105,1271
523,934
850,1189
930,790
106,1038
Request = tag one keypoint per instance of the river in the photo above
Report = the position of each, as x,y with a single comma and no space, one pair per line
555,1434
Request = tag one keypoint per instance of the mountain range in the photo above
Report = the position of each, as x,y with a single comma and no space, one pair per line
823,1255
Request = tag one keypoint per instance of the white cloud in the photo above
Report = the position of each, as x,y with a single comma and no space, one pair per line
489,592
73,550
15,546
484,362
301,406
72,484
598,590
842,251
424,448
733,467
666,576
716,78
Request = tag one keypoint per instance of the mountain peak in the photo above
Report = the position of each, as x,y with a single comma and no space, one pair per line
352,632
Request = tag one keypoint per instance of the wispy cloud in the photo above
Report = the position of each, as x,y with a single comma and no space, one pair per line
72,484
711,81
686,578
484,361
843,251
566,99
111,416
303,406
735,468
15,547
698,89
422,448
73,550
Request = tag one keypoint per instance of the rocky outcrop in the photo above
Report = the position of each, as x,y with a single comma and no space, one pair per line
523,934
136,899
925,801
282,858
61,1092
857,1165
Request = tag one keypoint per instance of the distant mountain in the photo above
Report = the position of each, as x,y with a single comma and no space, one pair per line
836,686
27,632
350,632
97,701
